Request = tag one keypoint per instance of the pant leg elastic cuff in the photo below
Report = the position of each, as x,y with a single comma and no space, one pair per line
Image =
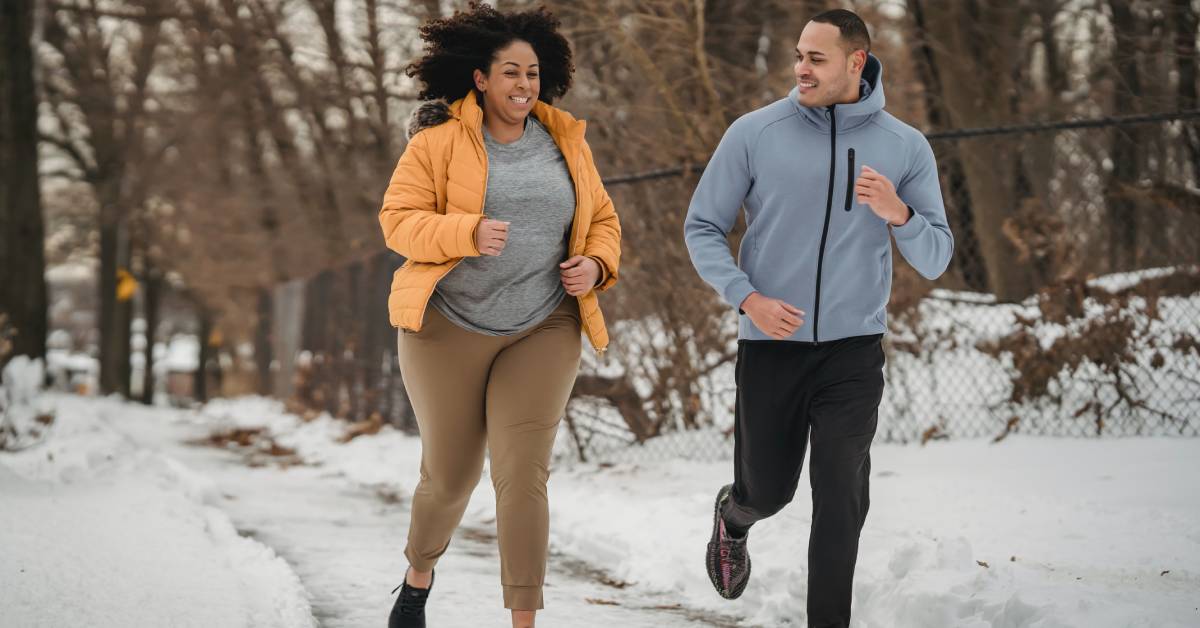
417,562
523,598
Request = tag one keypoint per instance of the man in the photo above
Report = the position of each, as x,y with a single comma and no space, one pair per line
827,179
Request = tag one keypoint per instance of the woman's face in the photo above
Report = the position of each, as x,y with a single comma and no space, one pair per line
511,86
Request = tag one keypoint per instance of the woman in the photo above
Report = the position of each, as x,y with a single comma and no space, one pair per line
509,234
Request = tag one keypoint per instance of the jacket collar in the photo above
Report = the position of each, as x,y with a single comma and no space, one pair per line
851,115
562,126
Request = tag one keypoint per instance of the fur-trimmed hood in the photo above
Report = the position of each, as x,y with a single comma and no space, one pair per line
432,113
428,114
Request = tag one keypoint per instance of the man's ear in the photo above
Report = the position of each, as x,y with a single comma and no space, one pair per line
860,59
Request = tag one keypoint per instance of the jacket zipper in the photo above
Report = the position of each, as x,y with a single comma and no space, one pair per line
479,144
575,175
849,177
828,209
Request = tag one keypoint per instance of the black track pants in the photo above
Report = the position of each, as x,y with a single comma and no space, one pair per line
785,392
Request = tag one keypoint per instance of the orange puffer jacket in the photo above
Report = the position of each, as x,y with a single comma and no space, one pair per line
434,202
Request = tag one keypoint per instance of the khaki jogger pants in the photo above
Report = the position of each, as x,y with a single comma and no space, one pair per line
507,393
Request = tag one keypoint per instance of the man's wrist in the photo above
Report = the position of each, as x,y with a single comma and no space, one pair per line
903,215
742,305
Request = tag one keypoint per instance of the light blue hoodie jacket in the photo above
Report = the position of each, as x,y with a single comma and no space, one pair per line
807,241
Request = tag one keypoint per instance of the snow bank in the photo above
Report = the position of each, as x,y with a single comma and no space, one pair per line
25,417
98,532
1070,532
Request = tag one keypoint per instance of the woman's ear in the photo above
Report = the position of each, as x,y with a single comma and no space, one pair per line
480,80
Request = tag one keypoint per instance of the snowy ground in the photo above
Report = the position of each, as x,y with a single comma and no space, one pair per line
116,519
99,531
120,519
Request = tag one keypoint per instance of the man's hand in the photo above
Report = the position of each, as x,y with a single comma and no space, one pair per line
579,275
775,318
877,191
491,236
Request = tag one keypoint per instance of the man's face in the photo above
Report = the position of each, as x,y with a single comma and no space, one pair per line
825,73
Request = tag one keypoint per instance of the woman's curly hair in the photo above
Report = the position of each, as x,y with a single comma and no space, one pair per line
456,46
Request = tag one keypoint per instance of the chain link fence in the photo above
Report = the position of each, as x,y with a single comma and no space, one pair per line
1071,308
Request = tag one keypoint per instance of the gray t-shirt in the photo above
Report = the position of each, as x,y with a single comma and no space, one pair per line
530,187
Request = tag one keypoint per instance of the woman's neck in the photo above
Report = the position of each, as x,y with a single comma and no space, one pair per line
502,131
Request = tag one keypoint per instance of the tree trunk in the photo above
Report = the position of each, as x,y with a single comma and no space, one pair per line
263,356
1187,23
110,348
200,387
1126,152
124,323
967,255
22,258
150,302
989,166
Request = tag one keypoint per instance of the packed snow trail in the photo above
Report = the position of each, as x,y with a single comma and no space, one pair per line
345,541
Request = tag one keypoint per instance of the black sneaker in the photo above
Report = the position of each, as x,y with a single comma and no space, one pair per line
409,611
727,561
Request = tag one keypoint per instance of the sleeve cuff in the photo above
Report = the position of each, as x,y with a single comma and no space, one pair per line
737,292
469,229
911,229
603,271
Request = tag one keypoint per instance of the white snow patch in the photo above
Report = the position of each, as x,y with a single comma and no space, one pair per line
1074,532
99,532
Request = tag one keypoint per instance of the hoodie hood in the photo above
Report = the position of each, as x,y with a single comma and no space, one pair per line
870,101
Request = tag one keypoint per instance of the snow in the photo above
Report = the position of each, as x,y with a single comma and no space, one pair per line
939,377
182,355
951,383
98,532
71,272
1074,532
114,521
21,380
1115,282
21,409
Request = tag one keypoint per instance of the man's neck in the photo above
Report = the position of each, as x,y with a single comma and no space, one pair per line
852,96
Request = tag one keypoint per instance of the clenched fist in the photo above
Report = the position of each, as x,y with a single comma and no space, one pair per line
491,236
878,192
579,275
774,317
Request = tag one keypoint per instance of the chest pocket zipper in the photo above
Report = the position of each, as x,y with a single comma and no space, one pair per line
849,177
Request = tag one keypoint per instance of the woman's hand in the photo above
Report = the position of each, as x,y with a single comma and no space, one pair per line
491,236
579,275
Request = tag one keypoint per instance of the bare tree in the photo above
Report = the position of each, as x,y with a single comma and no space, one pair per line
22,260
96,84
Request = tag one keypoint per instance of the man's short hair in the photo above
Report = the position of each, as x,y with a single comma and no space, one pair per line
853,29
